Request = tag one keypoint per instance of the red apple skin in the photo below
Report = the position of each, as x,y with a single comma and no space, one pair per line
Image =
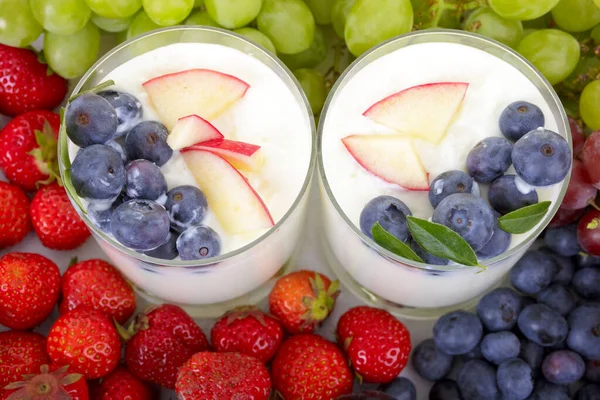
588,232
232,146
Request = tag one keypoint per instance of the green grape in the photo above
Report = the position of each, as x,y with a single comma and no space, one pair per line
72,55
288,23
141,24
62,17
311,57
168,12
371,22
487,23
233,14
18,26
115,8
111,24
576,15
442,13
522,9
321,10
339,13
201,18
313,84
595,34
555,53
597,2
258,37
589,105
527,32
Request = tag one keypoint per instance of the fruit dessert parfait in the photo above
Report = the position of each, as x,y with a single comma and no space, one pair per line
190,163
442,157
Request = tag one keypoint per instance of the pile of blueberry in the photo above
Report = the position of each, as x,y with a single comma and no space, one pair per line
540,158
117,170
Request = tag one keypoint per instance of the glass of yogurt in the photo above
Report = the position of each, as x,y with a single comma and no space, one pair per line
191,165
421,126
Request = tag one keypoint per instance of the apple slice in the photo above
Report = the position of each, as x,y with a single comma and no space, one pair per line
243,156
423,111
236,204
203,92
190,130
392,158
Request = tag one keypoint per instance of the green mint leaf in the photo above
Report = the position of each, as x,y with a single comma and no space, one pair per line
524,219
442,241
100,87
392,243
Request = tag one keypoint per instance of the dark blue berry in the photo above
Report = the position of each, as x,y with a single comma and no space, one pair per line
128,108
586,283
140,224
98,173
584,260
118,147
166,251
425,256
565,265
474,354
542,158
563,367
558,298
592,371
198,242
390,212
534,272
520,118
506,194
431,363
563,240
400,389
498,347
100,214
591,391
469,216
457,332
584,334
498,243
145,180
148,140
446,389
542,325
533,354
186,206
515,380
489,159
499,309
447,183
476,380
545,390
90,119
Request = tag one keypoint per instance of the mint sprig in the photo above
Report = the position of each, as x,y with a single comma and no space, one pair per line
524,219
393,244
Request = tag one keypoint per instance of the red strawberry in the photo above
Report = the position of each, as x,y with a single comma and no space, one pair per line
223,376
86,340
122,385
302,300
27,84
159,342
55,221
98,285
14,215
30,289
28,154
249,331
20,353
377,344
51,383
310,367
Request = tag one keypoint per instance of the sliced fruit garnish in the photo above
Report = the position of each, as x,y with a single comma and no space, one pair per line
230,196
191,130
243,156
423,111
392,158
202,92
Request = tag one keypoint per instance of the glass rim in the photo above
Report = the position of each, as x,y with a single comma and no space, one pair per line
382,50
292,84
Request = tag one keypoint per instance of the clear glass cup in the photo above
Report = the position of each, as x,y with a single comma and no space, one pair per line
210,287
386,280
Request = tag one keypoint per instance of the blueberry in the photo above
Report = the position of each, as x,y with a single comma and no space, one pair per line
140,224
98,173
198,242
498,243
558,298
499,309
565,265
166,251
514,379
498,347
507,194
429,362
425,256
542,158
390,212
100,214
400,389
584,260
90,119
476,380
366,395
186,206
145,180
474,354
489,159
469,216
544,390
447,183
520,118
457,332
446,389
563,240
148,140
128,108
542,325
563,367
584,336
533,354
118,147
586,283
591,391
592,371
534,272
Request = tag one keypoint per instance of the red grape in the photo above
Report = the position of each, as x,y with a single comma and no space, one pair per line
579,192
564,217
591,157
578,136
588,232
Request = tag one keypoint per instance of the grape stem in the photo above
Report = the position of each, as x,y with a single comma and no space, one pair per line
593,204
336,69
